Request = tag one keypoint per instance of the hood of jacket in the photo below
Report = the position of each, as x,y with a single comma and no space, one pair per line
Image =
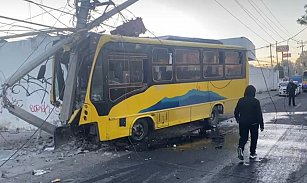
250,91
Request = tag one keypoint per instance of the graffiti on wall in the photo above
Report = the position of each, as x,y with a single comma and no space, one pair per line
32,85
43,108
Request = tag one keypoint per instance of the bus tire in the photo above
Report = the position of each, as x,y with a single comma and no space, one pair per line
140,130
214,118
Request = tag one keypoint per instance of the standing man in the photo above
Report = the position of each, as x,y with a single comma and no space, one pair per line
291,92
249,116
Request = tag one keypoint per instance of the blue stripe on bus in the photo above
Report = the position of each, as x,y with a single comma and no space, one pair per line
190,98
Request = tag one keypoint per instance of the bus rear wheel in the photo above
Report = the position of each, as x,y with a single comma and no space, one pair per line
214,118
139,130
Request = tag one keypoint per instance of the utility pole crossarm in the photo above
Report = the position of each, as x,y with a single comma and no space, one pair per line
109,14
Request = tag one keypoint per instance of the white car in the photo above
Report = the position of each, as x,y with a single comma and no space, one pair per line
283,88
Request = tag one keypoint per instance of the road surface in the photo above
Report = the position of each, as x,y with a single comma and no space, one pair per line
281,153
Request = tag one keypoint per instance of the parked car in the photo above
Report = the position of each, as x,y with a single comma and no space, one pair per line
283,88
299,80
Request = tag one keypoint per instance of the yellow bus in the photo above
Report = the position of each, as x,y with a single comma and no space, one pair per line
130,87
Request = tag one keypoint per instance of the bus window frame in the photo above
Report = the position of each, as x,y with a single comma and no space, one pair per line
110,47
155,64
243,62
100,58
175,64
129,70
220,58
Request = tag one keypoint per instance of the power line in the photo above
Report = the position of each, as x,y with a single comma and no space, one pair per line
242,22
23,21
258,10
41,5
7,24
35,48
30,18
285,40
266,7
254,19
38,32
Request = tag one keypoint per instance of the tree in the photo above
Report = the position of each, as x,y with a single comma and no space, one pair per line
303,19
301,63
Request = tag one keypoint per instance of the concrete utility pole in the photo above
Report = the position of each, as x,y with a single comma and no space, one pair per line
302,46
70,86
70,83
272,64
276,54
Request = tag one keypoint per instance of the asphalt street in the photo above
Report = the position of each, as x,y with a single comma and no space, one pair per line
281,153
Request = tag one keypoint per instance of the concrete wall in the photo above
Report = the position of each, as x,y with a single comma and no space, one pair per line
35,98
258,78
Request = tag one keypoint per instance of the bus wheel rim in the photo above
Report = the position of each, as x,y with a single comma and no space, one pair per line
138,131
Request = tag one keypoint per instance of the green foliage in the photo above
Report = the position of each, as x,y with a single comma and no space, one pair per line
301,63
303,19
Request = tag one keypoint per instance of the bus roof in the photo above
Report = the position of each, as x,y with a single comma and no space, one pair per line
187,39
156,41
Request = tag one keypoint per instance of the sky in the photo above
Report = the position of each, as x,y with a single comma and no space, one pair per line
211,19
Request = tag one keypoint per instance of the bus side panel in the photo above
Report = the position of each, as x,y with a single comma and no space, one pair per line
232,90
200,111
179,116
119,127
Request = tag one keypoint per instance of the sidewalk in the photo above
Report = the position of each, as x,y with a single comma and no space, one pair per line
264,97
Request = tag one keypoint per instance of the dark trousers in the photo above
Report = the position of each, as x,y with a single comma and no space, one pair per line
244,131
292,97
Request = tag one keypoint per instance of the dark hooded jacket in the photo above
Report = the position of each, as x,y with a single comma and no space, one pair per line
248,110
291,87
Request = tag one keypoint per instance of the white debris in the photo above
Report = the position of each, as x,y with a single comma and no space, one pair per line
49,148
56,180
39,172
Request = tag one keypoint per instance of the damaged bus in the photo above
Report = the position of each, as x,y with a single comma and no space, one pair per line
131,87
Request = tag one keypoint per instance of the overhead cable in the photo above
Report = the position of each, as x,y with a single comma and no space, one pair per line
259,11
8,24
23,21
254,19
266,7
242,22
41,5
51,15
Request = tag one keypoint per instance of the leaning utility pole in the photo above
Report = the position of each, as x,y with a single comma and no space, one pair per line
70,83
82,27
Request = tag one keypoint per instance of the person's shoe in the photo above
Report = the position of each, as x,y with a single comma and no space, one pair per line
253,156
240,153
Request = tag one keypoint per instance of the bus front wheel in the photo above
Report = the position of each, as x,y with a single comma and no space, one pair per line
214,118
139,130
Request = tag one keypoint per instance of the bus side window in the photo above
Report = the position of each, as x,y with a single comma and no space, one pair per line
187,64
212,64
233,64
162,68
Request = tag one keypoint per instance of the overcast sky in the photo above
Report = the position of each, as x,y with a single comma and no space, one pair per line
194,18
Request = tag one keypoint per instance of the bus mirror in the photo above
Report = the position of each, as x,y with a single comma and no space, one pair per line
41,72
